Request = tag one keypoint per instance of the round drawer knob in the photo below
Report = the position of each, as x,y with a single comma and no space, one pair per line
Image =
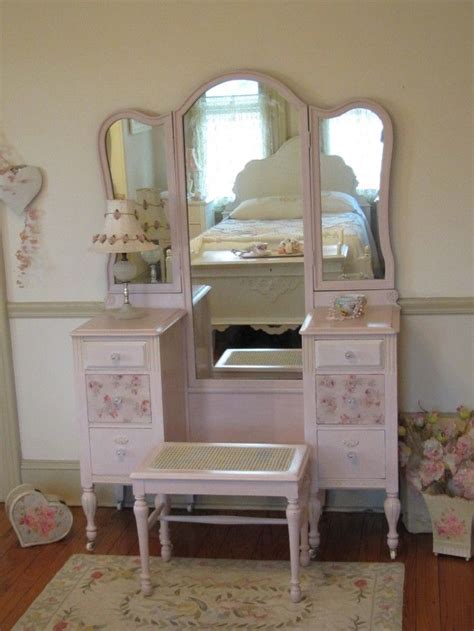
121,452
351,402
117,400
351,455
349,355
115,357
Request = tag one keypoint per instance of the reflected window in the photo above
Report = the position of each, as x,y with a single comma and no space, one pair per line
351,164
232,124
345,135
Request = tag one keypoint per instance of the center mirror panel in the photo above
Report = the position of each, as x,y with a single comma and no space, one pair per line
245,220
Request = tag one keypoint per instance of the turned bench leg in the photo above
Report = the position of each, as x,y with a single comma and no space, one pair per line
293,515
305,557
165,540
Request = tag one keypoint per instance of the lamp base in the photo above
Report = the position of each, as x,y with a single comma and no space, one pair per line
128,312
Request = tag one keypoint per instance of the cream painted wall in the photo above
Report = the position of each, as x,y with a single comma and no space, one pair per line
85,60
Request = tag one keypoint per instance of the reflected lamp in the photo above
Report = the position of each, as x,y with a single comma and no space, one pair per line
122,235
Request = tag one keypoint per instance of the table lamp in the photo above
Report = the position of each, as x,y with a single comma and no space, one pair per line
121,235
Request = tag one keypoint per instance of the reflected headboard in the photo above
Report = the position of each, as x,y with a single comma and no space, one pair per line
280,174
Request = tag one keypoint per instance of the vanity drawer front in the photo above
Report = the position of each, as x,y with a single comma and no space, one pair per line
115,354
348,353
351,455
118,398
350,399
116,451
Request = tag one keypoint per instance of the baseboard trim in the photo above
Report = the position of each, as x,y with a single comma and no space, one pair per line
410,306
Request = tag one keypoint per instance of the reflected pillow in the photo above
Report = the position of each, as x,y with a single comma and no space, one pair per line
335,202
277,207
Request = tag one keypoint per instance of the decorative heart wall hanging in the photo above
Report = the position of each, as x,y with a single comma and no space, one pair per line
37,518
19,186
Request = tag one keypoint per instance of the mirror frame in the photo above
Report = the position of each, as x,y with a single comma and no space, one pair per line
153,120
388,282
316,290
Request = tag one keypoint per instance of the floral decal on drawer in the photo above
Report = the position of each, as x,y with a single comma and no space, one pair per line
350,399
118,398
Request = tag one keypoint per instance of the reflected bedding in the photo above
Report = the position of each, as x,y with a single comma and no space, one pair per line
239,234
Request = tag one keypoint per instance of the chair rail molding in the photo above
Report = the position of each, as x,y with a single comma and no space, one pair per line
437,305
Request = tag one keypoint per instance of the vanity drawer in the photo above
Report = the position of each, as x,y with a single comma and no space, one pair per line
116,451
350,399
348,353
114,354
351,455
118,398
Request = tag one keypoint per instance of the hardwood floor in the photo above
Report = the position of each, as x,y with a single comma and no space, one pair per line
439,591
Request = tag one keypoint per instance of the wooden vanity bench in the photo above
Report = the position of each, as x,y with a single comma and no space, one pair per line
223,469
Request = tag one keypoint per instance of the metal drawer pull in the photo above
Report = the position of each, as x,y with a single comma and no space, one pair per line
352,455
115,357
351,402
350,443
121,452
117,400
349,355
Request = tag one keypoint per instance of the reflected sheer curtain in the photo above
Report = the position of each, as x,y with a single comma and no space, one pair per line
345,136
224,131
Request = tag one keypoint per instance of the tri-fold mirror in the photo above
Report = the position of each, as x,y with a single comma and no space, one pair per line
281,200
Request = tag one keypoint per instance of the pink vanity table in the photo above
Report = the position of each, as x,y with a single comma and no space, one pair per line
350,383
166,377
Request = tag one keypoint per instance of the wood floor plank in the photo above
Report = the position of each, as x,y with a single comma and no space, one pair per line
336,546
407,555
427,586
4,522
370,538
456,584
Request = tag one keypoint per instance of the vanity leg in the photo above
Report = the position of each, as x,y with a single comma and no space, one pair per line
315,509
140,510
89,505
293,515
305,557
165,539
392,513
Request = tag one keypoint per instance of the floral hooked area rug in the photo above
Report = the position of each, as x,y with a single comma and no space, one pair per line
102,592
